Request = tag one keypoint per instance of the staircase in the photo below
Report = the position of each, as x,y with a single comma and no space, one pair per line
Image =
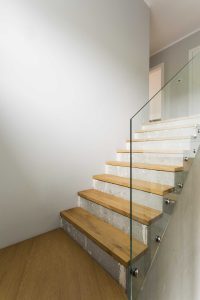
161,153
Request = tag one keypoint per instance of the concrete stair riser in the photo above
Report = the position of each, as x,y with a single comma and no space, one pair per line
112,266
185,144
173,123
187,131
166,178
140,197
144,233
140,231
153,158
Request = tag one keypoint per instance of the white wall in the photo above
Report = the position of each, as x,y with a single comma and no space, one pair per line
72,74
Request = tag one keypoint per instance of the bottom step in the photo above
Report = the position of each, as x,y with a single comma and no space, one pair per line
107,244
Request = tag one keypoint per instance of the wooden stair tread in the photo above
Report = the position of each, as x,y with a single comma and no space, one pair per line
161,151
164,168
140,213
146,186
112,240
160,139
165,128
172,120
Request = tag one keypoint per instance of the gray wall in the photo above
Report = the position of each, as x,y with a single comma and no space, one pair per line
177,97
175,274
72,74
176,56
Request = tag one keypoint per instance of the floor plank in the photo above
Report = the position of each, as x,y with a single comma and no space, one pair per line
53,267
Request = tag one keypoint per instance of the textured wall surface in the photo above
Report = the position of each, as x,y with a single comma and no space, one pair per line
176,271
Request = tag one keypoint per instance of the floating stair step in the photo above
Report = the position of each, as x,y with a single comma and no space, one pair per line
182,142
180,131
192,120
149,187
140,213
110,239
174,119
156,158
146,166
160,139
159,151
165,128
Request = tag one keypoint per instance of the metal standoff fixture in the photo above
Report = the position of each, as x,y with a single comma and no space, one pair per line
158,239
180,185
135,272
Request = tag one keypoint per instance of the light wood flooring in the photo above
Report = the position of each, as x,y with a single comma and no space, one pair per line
53,267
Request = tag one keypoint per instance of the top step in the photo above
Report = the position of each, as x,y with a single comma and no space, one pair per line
185,121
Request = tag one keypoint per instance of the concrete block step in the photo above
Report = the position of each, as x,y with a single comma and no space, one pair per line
163,174
178,143
185,121
116,211
144,193
180,131
140,213
105,243
158,157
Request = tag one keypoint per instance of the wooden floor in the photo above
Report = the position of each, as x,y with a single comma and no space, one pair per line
53,267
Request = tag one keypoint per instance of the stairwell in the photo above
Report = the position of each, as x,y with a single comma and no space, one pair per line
162,153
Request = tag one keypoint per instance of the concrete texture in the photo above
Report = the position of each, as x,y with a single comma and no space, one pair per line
140,197
175,273
162,177
115,269
185,144
172,132
153,158
140,231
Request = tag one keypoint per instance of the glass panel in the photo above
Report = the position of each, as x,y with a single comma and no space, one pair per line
160,157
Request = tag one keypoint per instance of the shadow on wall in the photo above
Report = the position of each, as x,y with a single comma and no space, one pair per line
14,187
23,200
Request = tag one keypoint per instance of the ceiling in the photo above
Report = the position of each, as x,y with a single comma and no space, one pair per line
172,20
